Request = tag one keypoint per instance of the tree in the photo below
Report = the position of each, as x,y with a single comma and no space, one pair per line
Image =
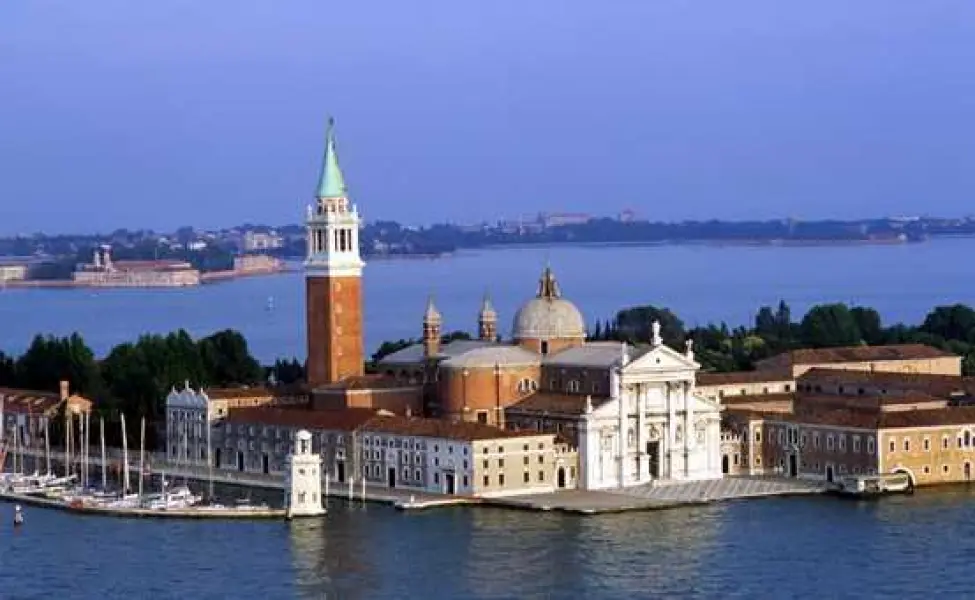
955,322
227,361
869,324
8,371
827,325
49,360
286,371
633,325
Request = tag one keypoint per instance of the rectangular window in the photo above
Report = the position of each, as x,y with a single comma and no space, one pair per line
842,443
944,442
541,476
526,477
501,479
870,445
487,481
500,463
526,461
907,445
486,465
893,445
816,440
927,444
856,444
758,435
436,478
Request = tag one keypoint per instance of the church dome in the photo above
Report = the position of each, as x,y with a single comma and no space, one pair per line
548,316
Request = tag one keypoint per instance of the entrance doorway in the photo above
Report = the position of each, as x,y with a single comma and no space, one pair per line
653,459
216,458
968,471
391,477
240,460
829,473
561,477
794,466
725,464
450,487
265,464
340,471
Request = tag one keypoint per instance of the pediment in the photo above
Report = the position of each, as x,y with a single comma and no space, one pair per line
660,360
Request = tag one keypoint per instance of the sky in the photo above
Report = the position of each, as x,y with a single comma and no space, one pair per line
116,113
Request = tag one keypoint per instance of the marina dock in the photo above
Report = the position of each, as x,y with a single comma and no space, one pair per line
143,513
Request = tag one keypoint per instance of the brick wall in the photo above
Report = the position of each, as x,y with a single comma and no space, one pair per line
334,329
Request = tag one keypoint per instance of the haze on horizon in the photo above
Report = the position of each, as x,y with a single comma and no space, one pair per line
133,114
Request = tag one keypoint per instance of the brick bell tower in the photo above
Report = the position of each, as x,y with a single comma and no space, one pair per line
333,277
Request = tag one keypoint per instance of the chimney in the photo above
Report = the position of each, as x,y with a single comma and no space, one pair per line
65,389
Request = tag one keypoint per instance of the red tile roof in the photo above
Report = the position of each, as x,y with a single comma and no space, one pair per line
808,356
28,401
368,420
942,385
735,377
554,403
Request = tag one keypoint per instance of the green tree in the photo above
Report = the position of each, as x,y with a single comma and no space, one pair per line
227,360
869,324
633,325
955,322
827,325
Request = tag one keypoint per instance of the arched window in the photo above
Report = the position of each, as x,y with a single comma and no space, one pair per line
527,385
573,386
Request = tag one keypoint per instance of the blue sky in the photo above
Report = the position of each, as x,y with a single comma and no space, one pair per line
116,113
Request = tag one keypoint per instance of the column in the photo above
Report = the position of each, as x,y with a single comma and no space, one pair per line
641,439
689,433
622,438
671,429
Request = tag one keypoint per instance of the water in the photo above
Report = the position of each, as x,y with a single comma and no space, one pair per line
700,283
782,548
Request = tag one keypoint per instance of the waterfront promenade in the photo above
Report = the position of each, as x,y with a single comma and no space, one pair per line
583,502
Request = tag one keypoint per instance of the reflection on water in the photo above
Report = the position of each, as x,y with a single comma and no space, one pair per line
909,546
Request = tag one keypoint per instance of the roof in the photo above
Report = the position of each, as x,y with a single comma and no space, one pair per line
548,316
591,354
490,356
331,183
370,421
366,382
28,401
736,377
933,384
413,354
554,403
955,415
258,391
865,353
756,398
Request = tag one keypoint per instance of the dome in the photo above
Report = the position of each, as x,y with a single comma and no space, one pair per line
548,316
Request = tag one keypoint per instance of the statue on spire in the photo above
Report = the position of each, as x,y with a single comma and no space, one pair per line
548,287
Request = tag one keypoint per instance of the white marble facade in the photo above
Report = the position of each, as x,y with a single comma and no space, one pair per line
655,427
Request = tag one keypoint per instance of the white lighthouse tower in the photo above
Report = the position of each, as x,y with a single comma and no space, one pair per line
303,495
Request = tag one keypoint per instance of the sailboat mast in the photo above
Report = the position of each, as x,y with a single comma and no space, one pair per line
142,454
104,462
209,454
47,446
67,443
125,459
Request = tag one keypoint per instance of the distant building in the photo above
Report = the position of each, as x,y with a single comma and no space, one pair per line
257,263
13,271
254,241
104,272
560,219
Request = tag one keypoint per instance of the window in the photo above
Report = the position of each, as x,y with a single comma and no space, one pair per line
436,448
856,444
944,469
842,443
527,385
907,445
829,442
501,479
816,439
450,449
500,463
788,388
758,435
758,461
944,443
465,481
500,449
541,476
893,445
573,386
927,444
487,481
870,445
436,462
926,469
465,465
482,417
782,437
526,461
803,439
526,477
485,450
486,465
541,459
436,478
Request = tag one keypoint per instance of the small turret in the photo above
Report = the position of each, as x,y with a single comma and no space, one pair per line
431,330
487,321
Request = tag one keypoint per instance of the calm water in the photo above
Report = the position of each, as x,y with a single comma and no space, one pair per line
782,548
700,283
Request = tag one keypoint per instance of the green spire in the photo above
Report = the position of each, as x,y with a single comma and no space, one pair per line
331,184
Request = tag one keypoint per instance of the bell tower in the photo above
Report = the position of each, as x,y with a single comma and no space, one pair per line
333,277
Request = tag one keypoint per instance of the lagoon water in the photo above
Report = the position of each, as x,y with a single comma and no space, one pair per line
701,283
903,547
782,548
